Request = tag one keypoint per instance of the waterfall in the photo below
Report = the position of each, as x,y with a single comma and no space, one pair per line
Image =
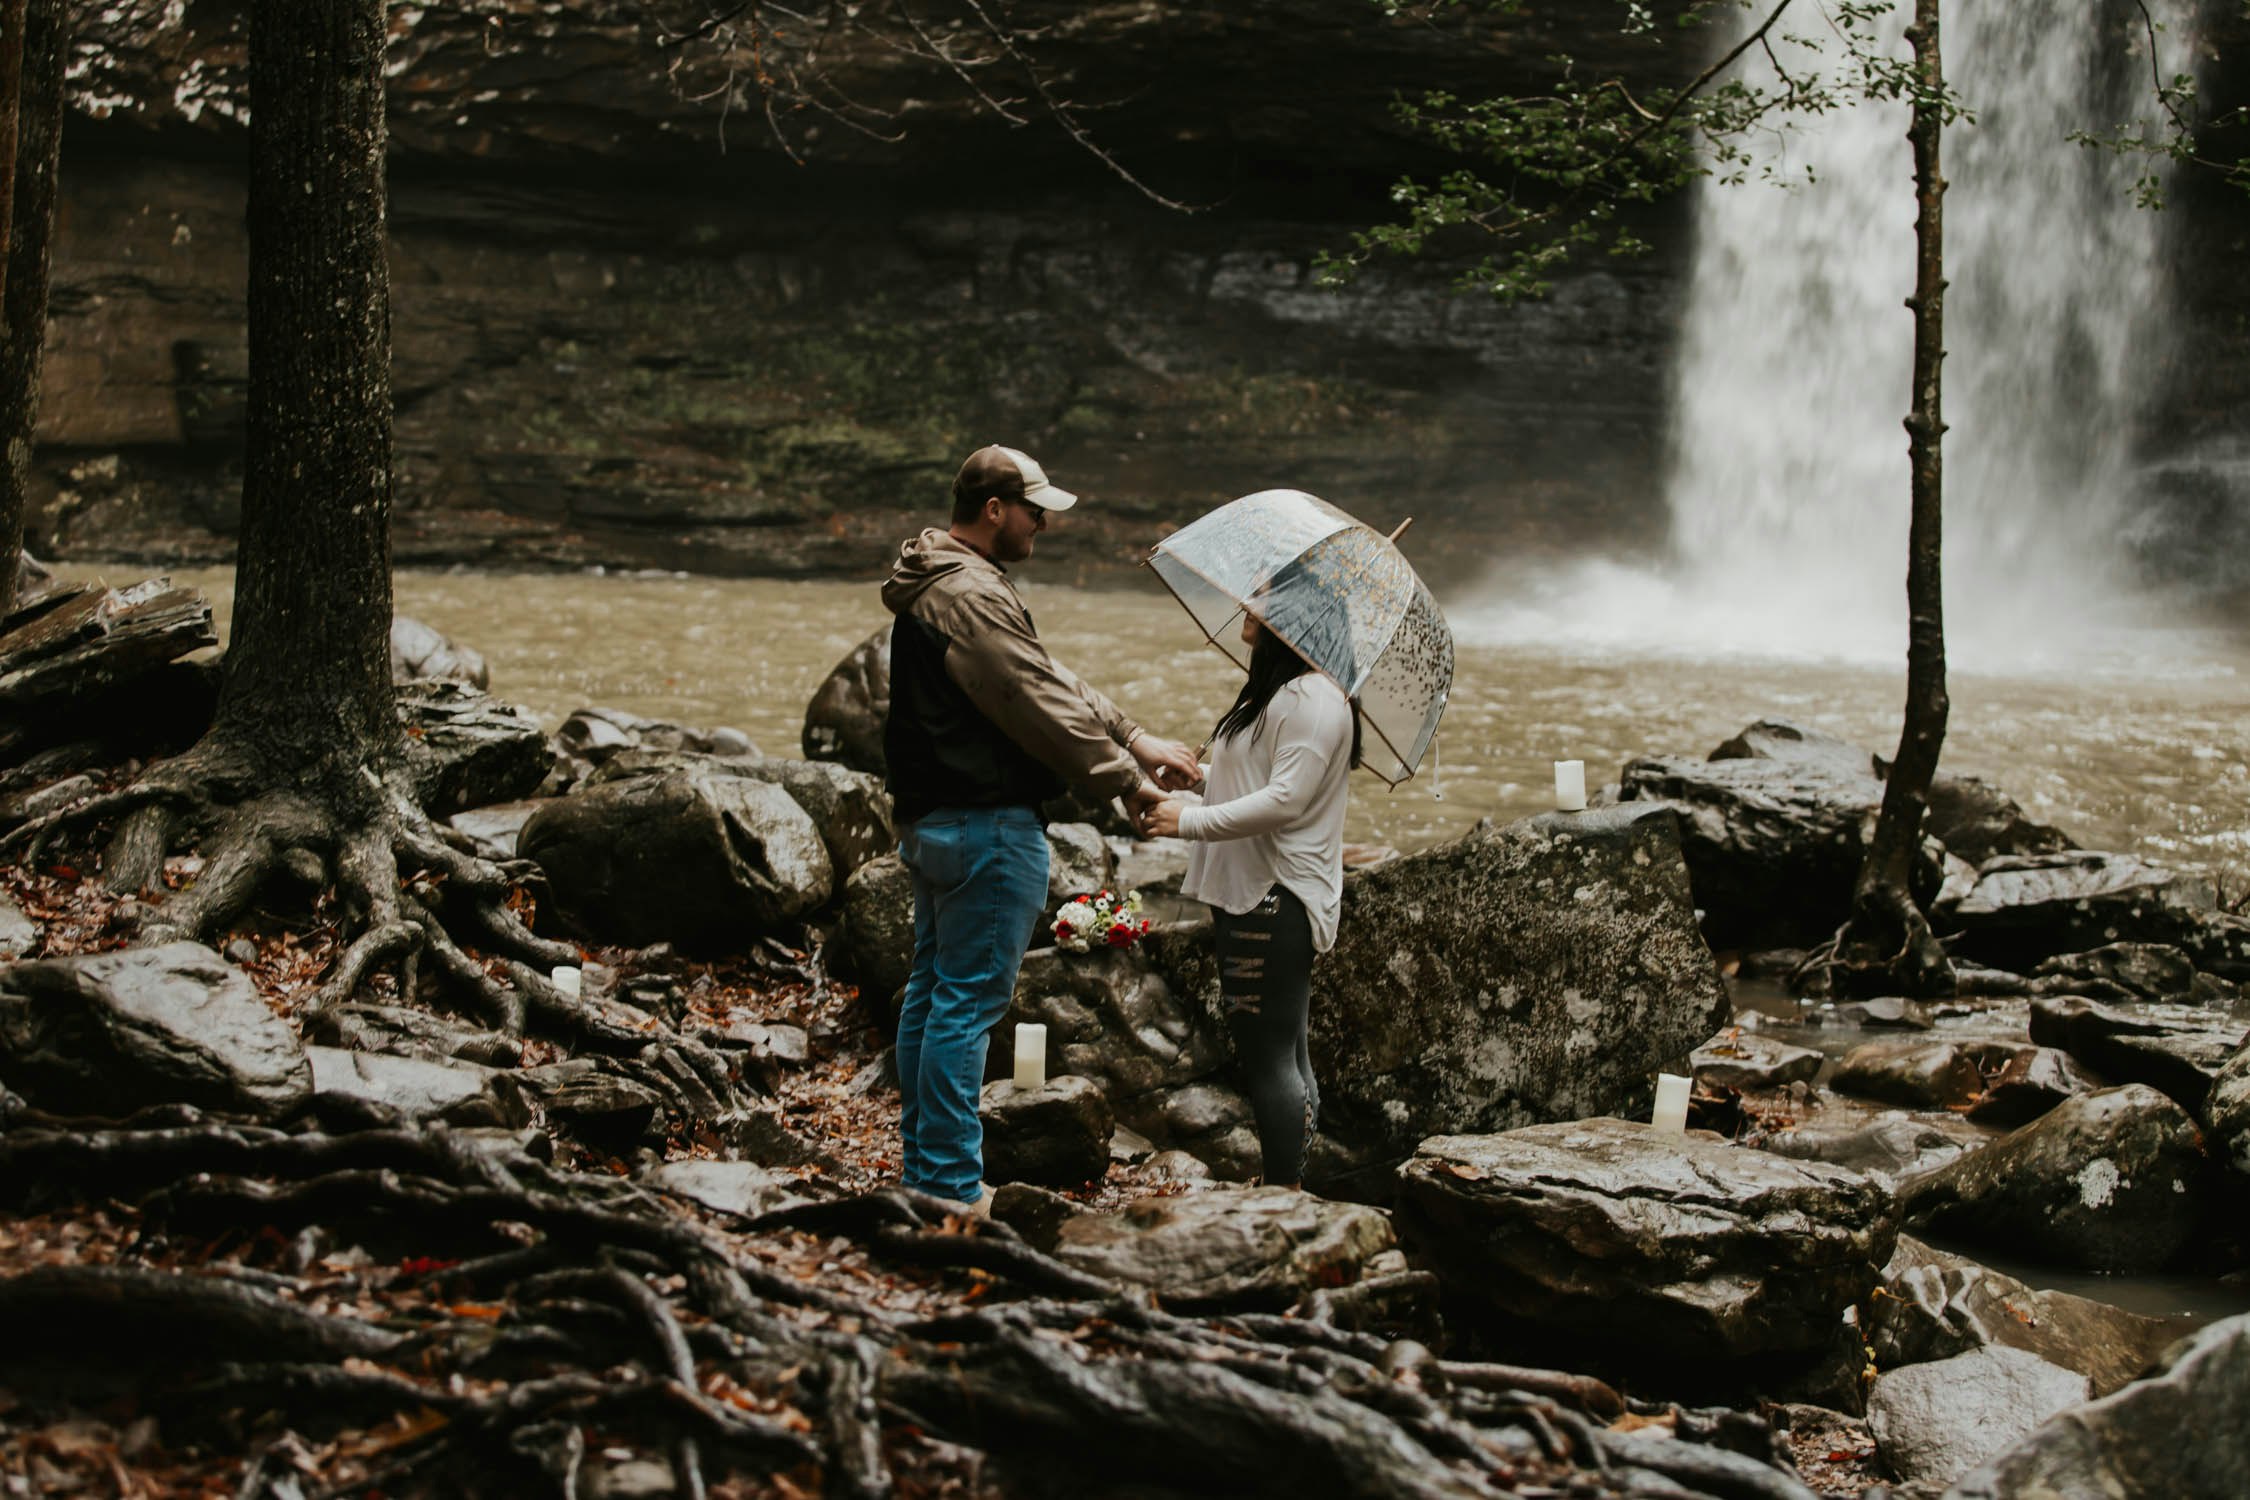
1788,463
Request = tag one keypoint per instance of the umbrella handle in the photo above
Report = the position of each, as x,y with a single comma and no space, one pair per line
1400,530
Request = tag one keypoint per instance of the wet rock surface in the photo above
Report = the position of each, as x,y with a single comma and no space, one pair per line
2229,1111
876,944
1740,1060
2136,1444
1053,1136
2025,909
2177,1053
2113,1181
844,722
418,651
110,1033
1932,1305
1229,1248
690,855
1118,1020
1923,1075
1671,1248
1522,974
404,1031
1772,845
1934,1422
466,749
850,808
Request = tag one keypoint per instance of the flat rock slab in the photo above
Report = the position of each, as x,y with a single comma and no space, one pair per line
1932,1306
1675,1246
1882,1140
1917,1074
741,1188
109,1033
2113,1182
1935,1422
2177,1050
2026,909
459,1093
1739,1060
2177,1435
1223,1249
467,749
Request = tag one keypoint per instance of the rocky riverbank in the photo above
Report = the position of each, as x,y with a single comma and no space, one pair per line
680,1234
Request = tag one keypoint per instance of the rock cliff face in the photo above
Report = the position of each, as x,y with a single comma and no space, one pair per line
631,331
636,325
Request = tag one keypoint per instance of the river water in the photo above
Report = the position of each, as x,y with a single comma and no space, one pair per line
2145,749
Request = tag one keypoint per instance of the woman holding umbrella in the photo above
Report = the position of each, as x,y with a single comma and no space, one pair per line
1340,632
1269,861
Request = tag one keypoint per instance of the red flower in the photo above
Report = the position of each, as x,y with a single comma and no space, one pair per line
1121,936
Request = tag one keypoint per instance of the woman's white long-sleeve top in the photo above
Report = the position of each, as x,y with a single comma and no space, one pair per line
1273,808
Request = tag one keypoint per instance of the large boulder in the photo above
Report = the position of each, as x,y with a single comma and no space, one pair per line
1933,1306
844,722
850,808
2228,1110
1054,1136
1665,1248
420,653
2177,1435
2178,1051
1976,821
1773,828
2120,972
1229,1249
1933,1423
2111,1182
689,855
1115,1018
876,941
2025,909
465,749
1079,863
110,1033
1515,975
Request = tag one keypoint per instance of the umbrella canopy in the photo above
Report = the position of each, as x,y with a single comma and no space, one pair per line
1338,593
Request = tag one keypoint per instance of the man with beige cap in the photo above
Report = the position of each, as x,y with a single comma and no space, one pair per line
984,727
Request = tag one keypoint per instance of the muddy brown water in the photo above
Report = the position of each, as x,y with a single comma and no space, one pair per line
2148,753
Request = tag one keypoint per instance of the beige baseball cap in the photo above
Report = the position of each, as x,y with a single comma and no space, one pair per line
1011,474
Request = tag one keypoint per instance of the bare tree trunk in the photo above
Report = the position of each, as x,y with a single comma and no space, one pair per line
1887,942
11,102
307,691
36,42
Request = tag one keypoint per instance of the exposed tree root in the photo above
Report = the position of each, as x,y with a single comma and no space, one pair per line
1887,947
602,1310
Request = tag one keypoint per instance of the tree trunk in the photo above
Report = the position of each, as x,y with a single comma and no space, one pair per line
307,688
36,29
1888,942
11,102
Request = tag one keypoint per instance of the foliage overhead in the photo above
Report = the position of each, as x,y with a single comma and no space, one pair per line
1548,176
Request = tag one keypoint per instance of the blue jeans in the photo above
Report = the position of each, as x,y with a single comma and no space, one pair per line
980,888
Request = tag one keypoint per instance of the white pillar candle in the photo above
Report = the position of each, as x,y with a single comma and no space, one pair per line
1570,786
1671,1103
1031,1055
566,978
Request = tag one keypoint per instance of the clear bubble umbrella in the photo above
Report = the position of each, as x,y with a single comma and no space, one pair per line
1339,593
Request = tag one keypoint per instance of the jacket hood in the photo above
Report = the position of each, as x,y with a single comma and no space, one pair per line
927,560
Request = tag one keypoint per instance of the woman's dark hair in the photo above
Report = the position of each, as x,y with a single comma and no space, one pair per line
1272,666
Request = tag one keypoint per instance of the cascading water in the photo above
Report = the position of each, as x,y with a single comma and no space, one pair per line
1788,484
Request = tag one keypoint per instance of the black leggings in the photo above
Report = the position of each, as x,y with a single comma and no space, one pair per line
1265,985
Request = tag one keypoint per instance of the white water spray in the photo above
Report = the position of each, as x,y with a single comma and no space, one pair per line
1788,482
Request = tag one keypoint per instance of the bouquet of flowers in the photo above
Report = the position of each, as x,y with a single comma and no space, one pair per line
1102,920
